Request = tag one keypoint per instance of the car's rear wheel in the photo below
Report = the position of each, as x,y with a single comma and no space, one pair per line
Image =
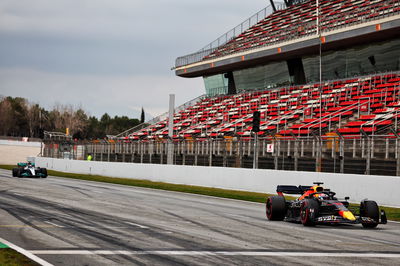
308,211
369,209
276,208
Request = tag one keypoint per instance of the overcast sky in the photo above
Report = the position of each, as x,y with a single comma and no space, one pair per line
109,56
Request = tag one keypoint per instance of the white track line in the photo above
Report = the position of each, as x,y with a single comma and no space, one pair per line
26,253
56,225
138,225
217,253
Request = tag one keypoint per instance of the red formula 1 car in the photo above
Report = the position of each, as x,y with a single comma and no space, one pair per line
318,205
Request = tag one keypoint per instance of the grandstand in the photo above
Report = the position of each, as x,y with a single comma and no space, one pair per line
273,67
325,76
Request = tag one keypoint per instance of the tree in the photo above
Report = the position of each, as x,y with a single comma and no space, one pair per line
33,119
142,116
6,117
20,118
18,122
105,124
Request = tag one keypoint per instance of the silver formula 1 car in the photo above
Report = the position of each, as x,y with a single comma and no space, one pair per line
29,170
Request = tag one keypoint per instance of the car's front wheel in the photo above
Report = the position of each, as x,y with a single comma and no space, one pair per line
369,209
19,172
44,172
308,211
14,172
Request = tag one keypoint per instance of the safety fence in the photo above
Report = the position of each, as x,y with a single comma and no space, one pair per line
371,155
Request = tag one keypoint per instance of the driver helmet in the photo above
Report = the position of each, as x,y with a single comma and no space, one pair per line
317,188
322,196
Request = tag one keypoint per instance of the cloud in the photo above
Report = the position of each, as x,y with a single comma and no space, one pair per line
116,95
108,55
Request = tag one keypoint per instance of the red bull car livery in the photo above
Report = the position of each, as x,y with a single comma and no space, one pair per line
317,205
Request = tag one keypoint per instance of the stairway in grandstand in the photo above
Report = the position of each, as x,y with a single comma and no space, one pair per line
350,108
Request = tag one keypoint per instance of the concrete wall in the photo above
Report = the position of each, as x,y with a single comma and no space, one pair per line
383,189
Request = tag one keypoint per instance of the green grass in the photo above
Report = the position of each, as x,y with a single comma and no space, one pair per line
11,257
7,167
392,213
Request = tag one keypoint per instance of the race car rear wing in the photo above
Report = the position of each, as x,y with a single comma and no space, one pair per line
280,189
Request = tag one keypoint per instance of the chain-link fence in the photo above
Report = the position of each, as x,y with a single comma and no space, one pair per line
375,155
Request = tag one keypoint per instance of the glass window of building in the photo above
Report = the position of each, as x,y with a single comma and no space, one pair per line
216,85
267,76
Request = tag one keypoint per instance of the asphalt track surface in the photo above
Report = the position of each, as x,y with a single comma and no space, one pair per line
72,222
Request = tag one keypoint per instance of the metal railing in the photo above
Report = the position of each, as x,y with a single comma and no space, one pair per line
226,37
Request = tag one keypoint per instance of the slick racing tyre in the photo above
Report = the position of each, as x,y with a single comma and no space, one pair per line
14,172
276,208
370,209
308,212
44,172
19,172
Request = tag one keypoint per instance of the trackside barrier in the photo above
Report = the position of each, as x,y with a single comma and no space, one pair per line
383,189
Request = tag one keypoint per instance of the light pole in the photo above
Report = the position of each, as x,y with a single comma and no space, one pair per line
319,159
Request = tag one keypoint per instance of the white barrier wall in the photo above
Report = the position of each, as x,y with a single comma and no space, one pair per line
383,189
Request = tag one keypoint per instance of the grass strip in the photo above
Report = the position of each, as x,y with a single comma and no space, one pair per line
392,213
11,257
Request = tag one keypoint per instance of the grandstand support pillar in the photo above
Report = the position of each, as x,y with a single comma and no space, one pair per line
255,157
224,155
150,152
141,152
196,152
123,152
108,152
239,151
170,154
276,157
183,152
341,155
161,152
368,162
386,148
318,162
296,154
